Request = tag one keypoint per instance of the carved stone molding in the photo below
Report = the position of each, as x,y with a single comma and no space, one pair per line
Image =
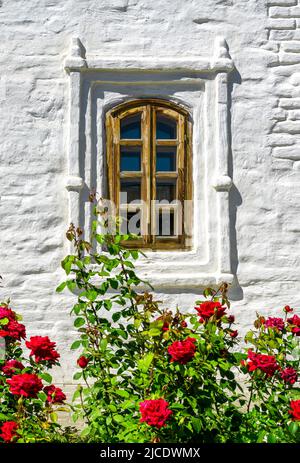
210,261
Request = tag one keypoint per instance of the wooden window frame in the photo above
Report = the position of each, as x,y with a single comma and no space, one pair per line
149,108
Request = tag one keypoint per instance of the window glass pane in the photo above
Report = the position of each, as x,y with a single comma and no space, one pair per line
166,128
165,190
131,222
166,158
130,190
130,159
165,224
131,127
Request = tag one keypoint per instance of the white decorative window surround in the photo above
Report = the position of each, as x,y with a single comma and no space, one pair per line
201,86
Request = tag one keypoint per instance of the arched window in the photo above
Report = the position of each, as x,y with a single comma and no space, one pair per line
149,171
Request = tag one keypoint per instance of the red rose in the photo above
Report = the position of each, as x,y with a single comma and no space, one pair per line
274,322
183,324
155,412
208,309
9,430
6,312
289,375
295,322
14,330
288,309
295,409
42,349
10,367
234,333
265,363
54,394
26,385
231,319
182,351
82,361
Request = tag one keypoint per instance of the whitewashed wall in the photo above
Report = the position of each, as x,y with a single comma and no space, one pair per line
264,155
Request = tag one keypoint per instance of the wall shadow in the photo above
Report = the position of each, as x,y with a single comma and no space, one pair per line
235,199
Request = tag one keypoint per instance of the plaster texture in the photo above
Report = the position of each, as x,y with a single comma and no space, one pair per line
164,48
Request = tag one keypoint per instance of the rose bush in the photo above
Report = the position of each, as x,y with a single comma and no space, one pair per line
28,401
150,374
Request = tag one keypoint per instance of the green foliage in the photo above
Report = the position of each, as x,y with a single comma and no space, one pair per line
125,336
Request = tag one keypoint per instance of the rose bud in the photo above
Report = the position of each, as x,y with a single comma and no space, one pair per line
82,361
231,318
288,309
234,334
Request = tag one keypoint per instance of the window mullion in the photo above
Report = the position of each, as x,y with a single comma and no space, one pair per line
146,180
181,170
116,159
153,175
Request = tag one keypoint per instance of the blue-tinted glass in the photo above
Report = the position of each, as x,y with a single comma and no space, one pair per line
165,190
130,191
166,159
130,159
131,127
165,128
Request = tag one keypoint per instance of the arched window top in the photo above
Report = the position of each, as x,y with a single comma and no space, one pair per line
149,162
133,106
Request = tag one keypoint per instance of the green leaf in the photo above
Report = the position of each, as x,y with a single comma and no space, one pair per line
261,437
208,292
91,294
67,264
103,344
76,395
85,432
145,362
127,404
118,418
71,284
177,406
197,424
122,393
272,439
53,417
46,377
4,321
249,336
42,396
77,375
114,284
154,332
61,287
75,345
116,316
108,304
137,322
79,322
122,333
293,427
134,254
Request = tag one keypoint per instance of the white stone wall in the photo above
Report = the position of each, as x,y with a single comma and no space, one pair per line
264,159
